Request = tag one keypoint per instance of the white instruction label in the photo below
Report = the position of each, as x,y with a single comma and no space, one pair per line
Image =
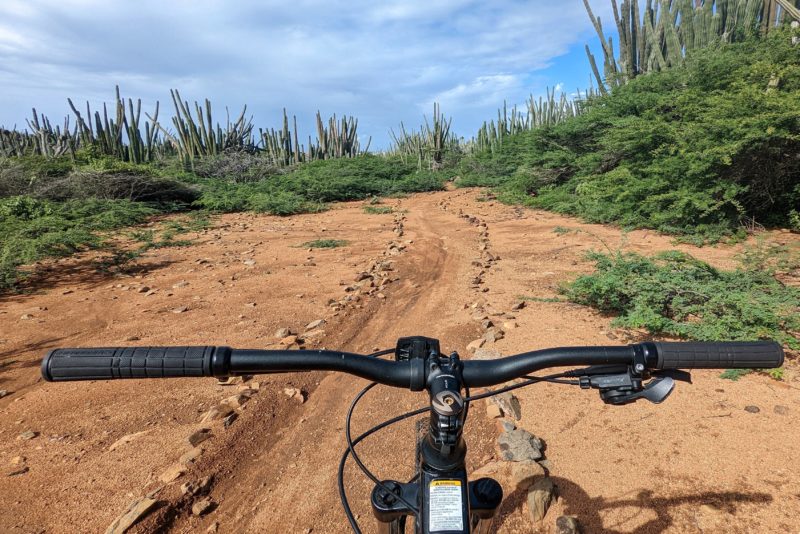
445,506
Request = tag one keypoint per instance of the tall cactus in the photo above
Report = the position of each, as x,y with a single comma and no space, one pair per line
669,29
429,145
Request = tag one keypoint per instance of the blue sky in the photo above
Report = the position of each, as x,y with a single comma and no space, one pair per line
384,61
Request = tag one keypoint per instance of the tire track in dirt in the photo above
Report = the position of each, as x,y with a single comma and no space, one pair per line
291,484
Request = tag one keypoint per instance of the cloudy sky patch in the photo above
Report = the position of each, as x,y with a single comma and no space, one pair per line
384,62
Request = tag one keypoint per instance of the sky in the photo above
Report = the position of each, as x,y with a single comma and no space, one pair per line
382,61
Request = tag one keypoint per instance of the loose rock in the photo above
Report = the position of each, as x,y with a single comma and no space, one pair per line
781,410
315,324
493,411
202,506
493,334
519,445
518,306
191,455
196,438
539,497
27,435
126,439
475,345
567,524
282,333
509,404
135,511
173,472
752,409
295,394
180,309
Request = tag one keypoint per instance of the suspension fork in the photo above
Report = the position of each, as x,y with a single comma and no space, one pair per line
445,499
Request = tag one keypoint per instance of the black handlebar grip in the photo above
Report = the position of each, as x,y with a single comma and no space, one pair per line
134,362
720,355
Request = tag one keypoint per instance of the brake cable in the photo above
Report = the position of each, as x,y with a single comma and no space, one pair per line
351,443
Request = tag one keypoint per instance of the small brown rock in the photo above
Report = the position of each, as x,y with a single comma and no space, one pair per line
295,394
781,410
27,435
203,506
752,409
282,333
191,455
136,510
180,309
198,437
126,439
518,306
315,324
173,472
493,411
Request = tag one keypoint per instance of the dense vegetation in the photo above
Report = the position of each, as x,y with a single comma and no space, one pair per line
677,295
52,207
701,150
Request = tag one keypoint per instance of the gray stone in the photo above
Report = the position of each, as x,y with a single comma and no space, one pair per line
752,409
509,404
519,446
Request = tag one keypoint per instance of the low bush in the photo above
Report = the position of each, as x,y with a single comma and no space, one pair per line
34,229
675,294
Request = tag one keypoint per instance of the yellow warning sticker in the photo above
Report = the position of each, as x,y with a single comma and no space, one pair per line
445,483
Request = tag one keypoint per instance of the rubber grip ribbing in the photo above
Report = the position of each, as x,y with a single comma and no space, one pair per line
720,355
132,362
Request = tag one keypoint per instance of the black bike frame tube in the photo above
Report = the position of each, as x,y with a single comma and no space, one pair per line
484,373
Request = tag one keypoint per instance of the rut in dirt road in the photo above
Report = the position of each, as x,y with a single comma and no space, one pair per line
297,474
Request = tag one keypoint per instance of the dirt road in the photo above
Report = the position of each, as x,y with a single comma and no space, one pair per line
697,463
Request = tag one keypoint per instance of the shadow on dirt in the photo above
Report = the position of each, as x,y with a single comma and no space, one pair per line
86,271
587,509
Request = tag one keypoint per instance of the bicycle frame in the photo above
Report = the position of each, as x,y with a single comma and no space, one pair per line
446,500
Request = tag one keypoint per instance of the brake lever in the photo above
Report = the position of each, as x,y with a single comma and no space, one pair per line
675,374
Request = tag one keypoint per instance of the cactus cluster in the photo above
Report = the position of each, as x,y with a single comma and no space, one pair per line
544,111
124,135
337,139
427,146
661,36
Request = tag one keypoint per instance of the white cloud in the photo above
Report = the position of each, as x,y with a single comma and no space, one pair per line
382,61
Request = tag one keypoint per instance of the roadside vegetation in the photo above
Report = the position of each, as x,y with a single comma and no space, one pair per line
702,150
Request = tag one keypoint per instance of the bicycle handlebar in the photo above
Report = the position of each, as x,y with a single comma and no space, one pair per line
172,362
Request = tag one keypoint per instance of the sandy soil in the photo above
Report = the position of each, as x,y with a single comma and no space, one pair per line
697,463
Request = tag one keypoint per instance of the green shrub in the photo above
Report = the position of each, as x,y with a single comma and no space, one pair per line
378,210
693,150
324,243
34,229
675,294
